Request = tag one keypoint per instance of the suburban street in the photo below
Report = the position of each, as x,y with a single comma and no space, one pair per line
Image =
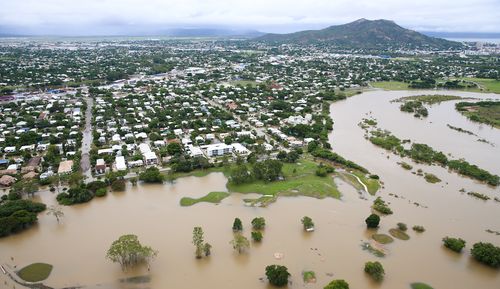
87,142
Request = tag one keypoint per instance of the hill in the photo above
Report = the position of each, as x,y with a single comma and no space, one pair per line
362,33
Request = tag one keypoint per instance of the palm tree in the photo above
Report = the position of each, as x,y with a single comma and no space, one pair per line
56,211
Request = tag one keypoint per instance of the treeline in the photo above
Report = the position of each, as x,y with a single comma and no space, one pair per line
17,215
425,154
268,171
331,156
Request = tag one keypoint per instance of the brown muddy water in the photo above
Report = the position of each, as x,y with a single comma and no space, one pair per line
77,247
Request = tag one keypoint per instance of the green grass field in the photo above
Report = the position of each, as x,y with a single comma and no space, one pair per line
212,197
431,99
382,238
398,234
420,286
488,85
299,180
35,272
390,85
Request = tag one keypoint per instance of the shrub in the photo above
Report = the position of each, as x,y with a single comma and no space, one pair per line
372,221
486,253
257,236
337,284
381,206
152,175
258,223
237,225
419,229
277,275
375,270
118,185
454,244
402,226
307,222
101,192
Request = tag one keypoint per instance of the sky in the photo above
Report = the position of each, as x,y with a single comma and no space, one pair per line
135,17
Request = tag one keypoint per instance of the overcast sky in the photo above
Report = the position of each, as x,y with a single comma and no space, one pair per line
94,17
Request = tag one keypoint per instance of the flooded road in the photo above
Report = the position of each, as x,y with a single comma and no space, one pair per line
78,245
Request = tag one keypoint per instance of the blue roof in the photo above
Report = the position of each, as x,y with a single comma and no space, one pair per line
3,162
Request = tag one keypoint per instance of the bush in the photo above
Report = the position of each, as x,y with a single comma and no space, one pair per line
307,222
375,270
419,229
96,185
486,253
258,223
372,221
381,206
118,185
101,192
257,236
237,225
402,226
75,195
454,244
337,284
277,275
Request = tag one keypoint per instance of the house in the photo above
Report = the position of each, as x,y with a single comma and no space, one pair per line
100,167
120,163
65,167
195,151
218,149
240,149
9,149
150,158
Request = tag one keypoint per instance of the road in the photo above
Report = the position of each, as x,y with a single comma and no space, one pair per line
87,142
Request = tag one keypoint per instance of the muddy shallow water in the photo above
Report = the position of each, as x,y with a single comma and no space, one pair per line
77,247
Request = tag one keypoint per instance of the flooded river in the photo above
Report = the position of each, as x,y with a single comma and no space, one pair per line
78,245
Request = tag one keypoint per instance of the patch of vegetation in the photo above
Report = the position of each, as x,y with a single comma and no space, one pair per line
431,178
337,284
487,84
263,201
382,238
429,99
375,270
486,253
372,221
277,275
390,85
18,215
331,156
309,276
151,175
256,236
405,165
374,251
402,227
258,223
418,229
381,206
454,244
372,183
398,234
298,179
212,197
487,112
415,107
419,285
478,195
35,272
459,129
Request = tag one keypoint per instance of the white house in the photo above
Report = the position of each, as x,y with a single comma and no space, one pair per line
240,149
219,149
120,163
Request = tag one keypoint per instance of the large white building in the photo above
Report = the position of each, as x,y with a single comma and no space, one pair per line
219,149
120,163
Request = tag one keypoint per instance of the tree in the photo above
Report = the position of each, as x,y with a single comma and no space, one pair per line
240,243
486,253
240,174
268,170
454,244
372,221
198,241
257,236
375,270
118,185
207,249
55,211
277,275
152,175
133,181
258,223
307,223
337,284
128,252
237,225
174,148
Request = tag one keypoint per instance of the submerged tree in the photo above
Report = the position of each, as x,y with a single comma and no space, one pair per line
55,211
240,243
128,252
277,275
237,225
198,241
207,249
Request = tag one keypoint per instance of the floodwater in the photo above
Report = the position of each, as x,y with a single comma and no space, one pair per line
78,245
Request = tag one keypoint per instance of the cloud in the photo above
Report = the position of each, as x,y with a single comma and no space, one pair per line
91,16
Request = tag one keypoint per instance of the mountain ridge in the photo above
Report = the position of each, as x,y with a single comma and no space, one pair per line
364,33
